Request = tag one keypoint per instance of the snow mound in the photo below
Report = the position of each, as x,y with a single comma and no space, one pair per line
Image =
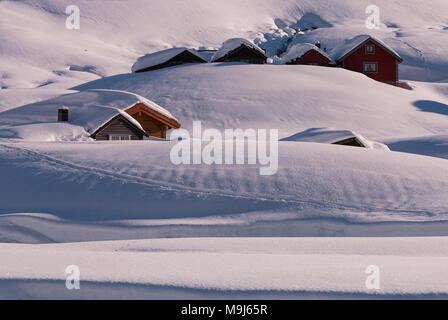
323,135
88,110
433,145
156,58
284,97
232,44
298,50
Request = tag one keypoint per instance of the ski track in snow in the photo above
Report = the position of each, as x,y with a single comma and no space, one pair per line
36,156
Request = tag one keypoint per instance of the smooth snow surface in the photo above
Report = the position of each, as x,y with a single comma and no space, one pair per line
327,267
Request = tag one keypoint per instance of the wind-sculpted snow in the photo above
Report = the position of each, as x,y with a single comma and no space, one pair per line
94,181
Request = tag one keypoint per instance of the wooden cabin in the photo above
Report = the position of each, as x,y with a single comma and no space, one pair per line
306,54
119,128
154,123
102,114
240,50
337,137
371,57
352,142
166,58
139,121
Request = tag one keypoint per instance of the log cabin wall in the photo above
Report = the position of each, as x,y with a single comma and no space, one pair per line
152,127
118,126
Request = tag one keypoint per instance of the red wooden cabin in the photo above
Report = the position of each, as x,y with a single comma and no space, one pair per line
372,57
306,53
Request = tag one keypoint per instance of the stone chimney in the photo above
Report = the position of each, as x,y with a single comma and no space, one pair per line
63,114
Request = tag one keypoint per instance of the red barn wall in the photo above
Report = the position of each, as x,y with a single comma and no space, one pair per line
387,63
313,57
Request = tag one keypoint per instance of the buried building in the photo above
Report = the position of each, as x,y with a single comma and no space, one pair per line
240,50
97,114
338,137
166,58
307,54
370,56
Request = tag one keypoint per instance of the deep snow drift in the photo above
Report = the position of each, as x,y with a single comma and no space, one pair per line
88,181
332,136
288,98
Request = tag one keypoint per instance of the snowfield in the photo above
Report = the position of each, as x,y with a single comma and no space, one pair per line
88,181
204,268
139,226
289,98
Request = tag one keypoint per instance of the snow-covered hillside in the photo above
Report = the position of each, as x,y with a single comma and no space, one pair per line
57,185
88,181
289,98
112,36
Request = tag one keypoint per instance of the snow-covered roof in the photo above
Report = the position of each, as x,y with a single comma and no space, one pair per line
89,109
325,135
351,44
159,57
232,44
300,49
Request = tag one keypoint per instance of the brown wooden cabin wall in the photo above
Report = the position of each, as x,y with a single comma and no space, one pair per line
152,127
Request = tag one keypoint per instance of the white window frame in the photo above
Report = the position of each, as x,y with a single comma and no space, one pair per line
121,137
372,46
371,63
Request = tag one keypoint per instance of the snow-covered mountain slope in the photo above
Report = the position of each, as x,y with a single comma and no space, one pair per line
228,268
289,98
114,34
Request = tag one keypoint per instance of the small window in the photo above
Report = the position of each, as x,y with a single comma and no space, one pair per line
370,49
370,67
116,137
